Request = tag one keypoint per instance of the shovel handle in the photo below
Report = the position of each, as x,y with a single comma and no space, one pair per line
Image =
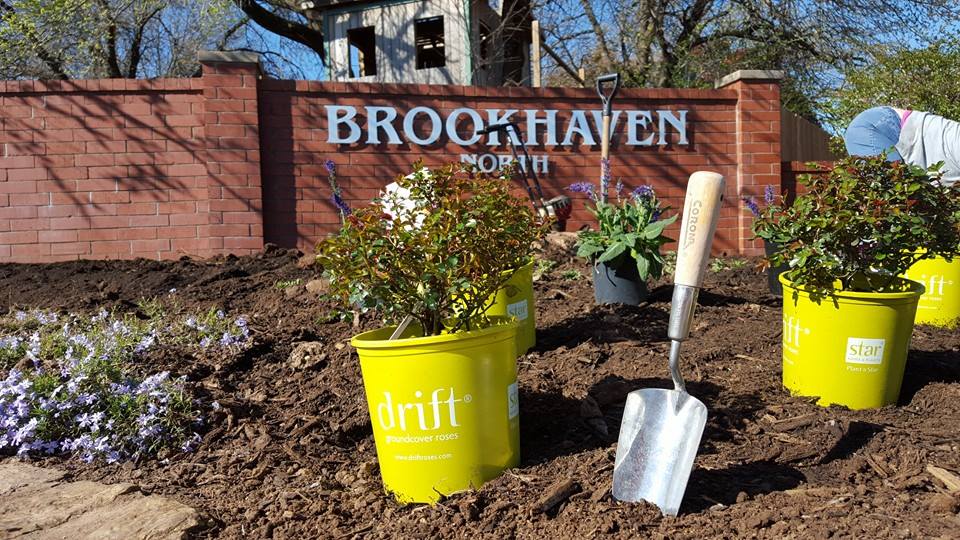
606,98
701,210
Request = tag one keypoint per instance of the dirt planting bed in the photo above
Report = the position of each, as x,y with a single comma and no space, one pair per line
290,454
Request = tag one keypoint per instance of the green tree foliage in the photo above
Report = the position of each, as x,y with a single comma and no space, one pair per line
925,79
71,39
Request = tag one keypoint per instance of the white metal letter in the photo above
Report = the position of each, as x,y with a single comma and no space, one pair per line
334,121
435,130
452,126
667,117
598,122
375,123
549,121
494,117
578,124
642,119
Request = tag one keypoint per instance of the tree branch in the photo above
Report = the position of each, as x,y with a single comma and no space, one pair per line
137,42
281,26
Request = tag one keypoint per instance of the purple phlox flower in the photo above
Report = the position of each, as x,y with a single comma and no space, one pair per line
102,445
74,382
331,166
33,350
221,314
752,205
227,340
20,315
86,399
11,342
769,195
153,382
86,420
113,456
191,322
191,443
241,322
46,317
25,432
643,192
215,405
146,342
205,342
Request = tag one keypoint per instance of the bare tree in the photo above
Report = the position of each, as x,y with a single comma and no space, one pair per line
659,43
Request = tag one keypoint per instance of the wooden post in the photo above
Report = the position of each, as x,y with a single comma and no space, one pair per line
535,53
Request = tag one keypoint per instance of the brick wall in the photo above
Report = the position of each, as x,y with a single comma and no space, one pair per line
294,123
229,160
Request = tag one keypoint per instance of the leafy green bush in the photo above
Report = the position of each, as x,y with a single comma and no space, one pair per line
437,252
629,231
862,225
926,79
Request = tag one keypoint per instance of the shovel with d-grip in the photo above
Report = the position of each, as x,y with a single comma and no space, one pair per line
661,429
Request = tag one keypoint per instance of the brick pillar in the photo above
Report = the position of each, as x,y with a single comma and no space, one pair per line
758,143
232,134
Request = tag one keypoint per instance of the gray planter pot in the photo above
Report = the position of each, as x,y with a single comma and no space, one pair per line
618,283
773,273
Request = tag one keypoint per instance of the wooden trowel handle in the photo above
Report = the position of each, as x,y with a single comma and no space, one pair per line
701,210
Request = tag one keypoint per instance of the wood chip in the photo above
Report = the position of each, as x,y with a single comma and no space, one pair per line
789,424
812,492
555,494
950,480
877,464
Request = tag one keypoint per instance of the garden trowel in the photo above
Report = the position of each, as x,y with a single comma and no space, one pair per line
661,429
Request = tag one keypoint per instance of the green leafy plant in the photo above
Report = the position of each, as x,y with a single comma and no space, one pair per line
434,249
629,231
286,283
542,268
862,226
571,275
719,265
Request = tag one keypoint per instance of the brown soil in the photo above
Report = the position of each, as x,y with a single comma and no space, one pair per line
291,453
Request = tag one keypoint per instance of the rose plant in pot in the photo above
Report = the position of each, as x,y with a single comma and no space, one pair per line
625,248
847,313
442,393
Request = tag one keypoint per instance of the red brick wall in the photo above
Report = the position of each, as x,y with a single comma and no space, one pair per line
793,170
227,161
129,168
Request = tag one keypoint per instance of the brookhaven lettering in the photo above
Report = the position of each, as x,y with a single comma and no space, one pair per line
423,126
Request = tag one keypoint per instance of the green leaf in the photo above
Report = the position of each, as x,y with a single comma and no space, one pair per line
613,252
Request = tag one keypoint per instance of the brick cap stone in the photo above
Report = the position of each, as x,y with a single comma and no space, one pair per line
749,74
237,57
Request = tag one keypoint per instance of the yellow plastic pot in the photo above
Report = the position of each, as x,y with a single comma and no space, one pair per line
940,304
515,299
850,348
444,409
